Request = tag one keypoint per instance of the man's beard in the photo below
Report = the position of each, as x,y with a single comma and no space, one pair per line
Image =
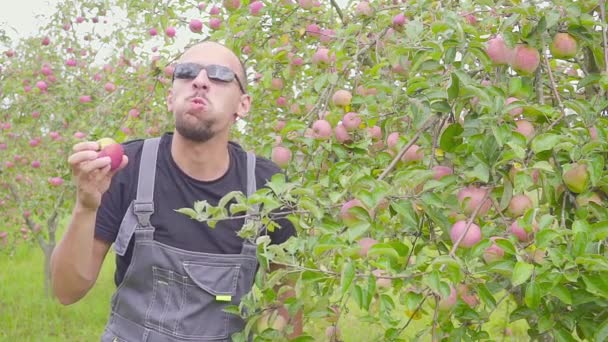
200,132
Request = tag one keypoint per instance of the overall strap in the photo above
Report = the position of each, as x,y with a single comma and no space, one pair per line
143,206
249,248
139,211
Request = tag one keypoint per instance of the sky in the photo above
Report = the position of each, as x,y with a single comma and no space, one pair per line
22,16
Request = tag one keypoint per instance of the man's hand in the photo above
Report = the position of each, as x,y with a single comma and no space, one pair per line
92,175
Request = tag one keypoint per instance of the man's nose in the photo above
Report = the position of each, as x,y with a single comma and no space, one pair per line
201,81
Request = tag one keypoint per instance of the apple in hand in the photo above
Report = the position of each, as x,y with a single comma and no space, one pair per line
110,148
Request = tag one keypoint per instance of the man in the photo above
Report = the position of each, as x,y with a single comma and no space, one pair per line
174,275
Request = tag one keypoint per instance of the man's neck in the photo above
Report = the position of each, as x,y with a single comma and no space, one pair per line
202,161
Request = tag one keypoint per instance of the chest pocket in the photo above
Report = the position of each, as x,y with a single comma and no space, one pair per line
190,305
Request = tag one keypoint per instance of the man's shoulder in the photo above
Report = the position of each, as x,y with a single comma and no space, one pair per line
134,146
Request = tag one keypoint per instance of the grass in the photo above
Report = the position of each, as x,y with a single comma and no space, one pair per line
26,314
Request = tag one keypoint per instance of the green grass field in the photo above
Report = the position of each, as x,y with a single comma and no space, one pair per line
26,314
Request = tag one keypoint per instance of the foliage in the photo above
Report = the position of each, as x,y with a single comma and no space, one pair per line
500,129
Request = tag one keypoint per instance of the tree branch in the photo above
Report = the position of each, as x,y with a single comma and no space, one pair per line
605,39
392,165
334,4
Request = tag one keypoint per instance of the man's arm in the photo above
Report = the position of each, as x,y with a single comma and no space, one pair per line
77,259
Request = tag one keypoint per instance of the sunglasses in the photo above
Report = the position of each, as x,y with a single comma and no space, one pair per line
189,71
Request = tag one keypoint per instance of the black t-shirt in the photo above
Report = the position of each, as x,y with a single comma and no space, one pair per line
173,190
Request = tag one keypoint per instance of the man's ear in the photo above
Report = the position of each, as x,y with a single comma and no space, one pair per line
170,100
244,106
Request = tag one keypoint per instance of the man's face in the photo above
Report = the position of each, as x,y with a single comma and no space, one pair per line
205,106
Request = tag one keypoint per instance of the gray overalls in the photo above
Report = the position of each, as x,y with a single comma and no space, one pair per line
171,294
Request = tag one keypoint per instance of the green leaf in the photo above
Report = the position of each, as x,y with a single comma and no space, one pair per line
348,274
597,284
450,139
545,142
521,273
188,212
545,237
383,249
454,87
560,291
602,332
532,297
486,296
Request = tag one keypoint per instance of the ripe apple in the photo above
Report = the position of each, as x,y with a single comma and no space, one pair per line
515,111
471,197
413,154
493,253
563,46
321,129
364,9
344,210
446,303
271,320
342,98
170,31
382,282
576,178
255,7
466,296
342,134
196,25
470,239
281,155
498,51
110,148
520,233
365,244
215,23
525,59
392,140
525,127
351,121
440,171
519,204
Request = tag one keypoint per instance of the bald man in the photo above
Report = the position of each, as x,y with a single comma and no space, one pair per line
174,275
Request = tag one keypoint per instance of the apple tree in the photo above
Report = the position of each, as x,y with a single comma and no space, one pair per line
444,161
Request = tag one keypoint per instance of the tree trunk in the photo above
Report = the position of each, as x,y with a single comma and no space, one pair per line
48,251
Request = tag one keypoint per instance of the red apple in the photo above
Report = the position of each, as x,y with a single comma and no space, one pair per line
413,154
170,31
215,23
342,134
440,171
515,111
255,7
110,148
519,204
196,25
351,121
321,129
470,239
471,197
563,46
525,127
365,244
526,59
576,177
281,156
446,303
342,98
498,51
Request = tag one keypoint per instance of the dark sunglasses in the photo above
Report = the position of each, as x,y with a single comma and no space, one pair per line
189,71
